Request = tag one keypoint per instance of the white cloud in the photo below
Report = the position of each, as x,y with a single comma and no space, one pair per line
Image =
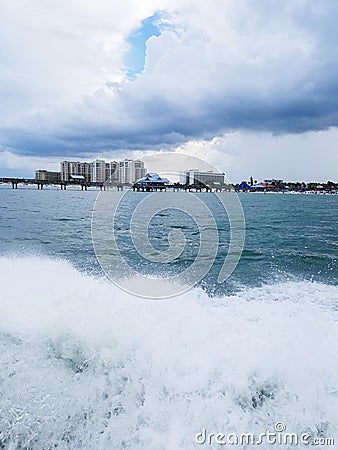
26,166
221,68
54,53
310,156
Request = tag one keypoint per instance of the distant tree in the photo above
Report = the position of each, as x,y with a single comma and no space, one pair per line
279,185
312,186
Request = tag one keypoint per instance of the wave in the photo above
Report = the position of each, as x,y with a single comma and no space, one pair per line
85,365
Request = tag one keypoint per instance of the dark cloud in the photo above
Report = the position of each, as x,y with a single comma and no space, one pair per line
275,70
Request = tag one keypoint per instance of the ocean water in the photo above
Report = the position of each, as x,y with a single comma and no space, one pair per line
84,365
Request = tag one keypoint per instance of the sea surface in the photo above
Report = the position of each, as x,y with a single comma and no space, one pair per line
85,365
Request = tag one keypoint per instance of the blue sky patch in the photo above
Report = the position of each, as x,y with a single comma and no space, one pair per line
135,57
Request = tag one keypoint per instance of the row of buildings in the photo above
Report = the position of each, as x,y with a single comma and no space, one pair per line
99,171
125,172
191,177
273,185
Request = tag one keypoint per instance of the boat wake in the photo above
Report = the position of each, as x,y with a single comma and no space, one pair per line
85,365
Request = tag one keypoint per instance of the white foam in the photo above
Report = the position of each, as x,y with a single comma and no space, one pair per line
84,365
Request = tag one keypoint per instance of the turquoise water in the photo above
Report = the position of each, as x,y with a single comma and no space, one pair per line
287,236
84,365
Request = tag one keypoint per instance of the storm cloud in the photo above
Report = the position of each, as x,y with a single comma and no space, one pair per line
214,67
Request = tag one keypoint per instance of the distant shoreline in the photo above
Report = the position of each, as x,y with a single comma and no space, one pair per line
168,189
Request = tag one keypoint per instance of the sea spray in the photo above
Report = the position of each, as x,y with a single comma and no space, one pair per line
84,365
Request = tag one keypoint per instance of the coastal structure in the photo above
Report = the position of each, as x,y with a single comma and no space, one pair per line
70,168
151,182
274,182
47,176
131,171
265,186
100,171
208,178
112,172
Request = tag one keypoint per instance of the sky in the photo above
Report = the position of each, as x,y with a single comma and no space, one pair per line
251,86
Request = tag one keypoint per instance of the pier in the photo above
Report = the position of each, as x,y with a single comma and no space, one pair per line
173,187
15,182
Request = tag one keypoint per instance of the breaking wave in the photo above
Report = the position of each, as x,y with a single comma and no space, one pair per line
85,365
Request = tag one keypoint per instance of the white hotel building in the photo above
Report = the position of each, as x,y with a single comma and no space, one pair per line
100,171
131,171
209,178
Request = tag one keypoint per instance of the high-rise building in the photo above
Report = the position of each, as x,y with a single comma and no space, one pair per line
125,168
84,169
69,168
140,170
112,172
131,170
98,171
